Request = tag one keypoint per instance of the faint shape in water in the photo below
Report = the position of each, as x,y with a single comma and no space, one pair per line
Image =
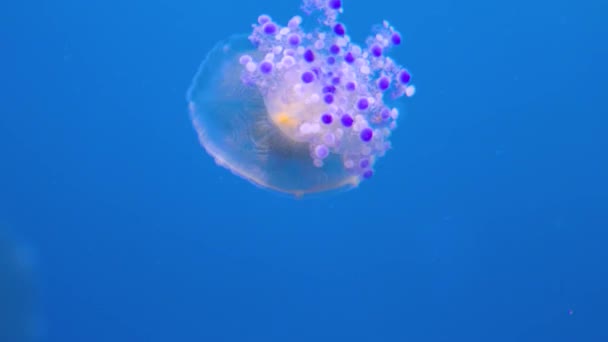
18,321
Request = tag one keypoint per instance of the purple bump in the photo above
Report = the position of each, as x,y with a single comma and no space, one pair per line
383,83
335,49
328,98
385,113
346,120
362,104
331,60
265,67
404,77
334,4
366,134
309,56
350,86
329,89
339,29
335,80
364,163
321,151
376,50
270,28
307,77
396,38
294,39
368,174
349,58
326,118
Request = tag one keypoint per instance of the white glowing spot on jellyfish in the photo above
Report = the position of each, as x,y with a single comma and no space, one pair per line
288,61
365,70
269,56
244,59
358,126
349,164
339,133
251,66
319,44
277,49
321,151
294,22
394,113
305,128
329,139
284,31
410,91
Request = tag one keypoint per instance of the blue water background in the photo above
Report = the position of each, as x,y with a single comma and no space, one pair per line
486,222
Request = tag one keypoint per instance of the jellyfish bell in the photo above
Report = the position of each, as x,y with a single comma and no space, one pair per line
297,112
254,137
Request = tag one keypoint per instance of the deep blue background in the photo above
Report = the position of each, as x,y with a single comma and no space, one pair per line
487,221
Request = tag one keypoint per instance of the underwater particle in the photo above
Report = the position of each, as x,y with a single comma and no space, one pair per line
300,111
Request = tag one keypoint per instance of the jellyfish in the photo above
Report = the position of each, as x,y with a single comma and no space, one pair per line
300,110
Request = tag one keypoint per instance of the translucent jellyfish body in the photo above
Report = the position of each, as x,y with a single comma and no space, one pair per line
300,111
